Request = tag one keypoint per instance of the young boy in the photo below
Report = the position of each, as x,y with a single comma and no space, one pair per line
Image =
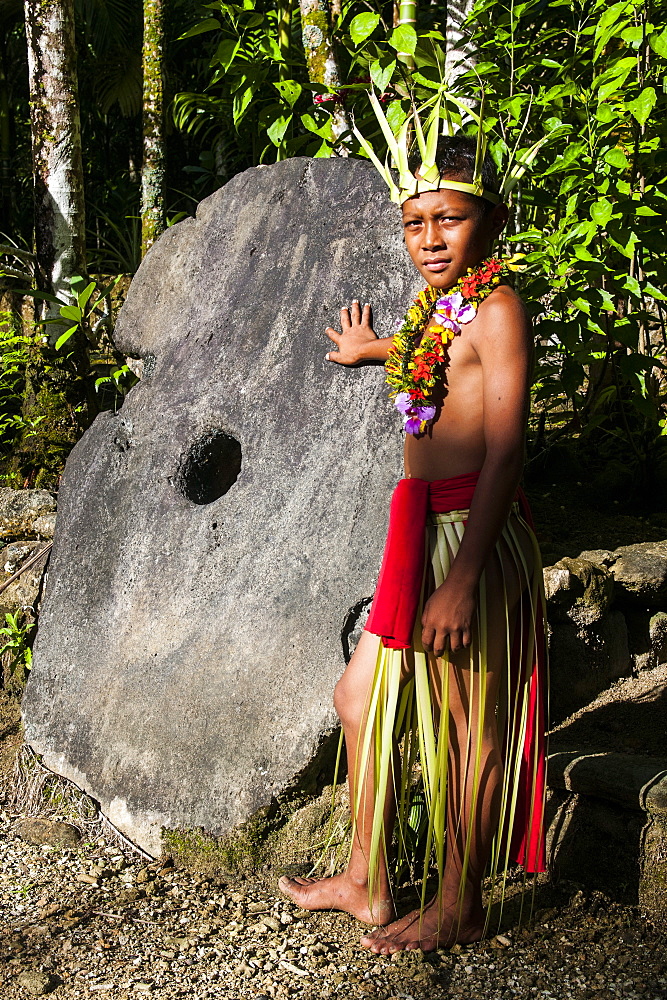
479,600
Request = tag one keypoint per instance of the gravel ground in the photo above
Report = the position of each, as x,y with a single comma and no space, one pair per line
95,920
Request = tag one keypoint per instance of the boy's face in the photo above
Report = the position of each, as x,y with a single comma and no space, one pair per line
446,233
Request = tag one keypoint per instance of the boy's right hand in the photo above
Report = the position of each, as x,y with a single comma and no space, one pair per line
357,336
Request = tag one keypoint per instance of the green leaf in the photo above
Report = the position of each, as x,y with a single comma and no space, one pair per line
65,337
226,52
395,115
382,74
210,24
82,297
632,285
362,26
71,313
642,106
289,90
276,131
601,211
613,78
654,292
616,158
605,114
645,210
404,39
321,127
659,43
241,101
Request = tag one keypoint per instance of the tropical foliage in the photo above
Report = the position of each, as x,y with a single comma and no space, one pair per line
573,88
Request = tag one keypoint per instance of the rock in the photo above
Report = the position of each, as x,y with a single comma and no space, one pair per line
588,639
45,525
47,831
215,535
19,510
36,984
639,571
658,636
24,592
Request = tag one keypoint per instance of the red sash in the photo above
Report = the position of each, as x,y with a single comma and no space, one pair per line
392,616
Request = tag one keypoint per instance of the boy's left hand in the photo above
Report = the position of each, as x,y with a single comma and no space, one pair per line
447,618
357,334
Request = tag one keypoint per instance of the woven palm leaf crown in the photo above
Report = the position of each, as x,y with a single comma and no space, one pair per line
428,177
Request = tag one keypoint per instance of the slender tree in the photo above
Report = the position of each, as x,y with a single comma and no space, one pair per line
460,56
405,12
153,165
60,241
320,55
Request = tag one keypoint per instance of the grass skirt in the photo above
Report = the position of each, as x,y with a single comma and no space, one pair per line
404,713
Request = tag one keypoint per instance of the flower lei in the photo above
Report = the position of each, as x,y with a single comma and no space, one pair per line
414,355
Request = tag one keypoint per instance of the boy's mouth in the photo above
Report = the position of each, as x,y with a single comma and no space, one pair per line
436,265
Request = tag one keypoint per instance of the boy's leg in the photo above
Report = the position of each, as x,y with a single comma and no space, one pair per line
349,890
446,920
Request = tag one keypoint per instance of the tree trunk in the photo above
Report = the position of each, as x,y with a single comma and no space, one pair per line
58,401
153,165
320,55
407,14
460,55
6,208
60,231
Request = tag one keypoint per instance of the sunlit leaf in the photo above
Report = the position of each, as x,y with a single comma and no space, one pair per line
362,26
276,131
65,337
382,71
601,211
404,39
642,106
289,90
209,24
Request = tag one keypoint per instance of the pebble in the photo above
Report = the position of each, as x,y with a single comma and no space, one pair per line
37,983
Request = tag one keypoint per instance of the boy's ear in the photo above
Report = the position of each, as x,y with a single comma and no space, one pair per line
498,219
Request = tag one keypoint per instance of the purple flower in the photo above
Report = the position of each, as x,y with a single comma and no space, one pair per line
454,308
403,403
413,413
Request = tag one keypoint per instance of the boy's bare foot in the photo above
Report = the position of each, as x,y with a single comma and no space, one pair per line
337,893
436,930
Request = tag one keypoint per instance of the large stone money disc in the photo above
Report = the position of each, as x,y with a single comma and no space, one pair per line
216,535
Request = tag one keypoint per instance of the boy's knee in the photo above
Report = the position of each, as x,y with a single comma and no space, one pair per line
345,702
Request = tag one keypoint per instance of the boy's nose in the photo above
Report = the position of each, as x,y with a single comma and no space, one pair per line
432,237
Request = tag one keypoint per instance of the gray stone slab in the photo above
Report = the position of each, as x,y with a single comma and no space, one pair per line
628,779
189,646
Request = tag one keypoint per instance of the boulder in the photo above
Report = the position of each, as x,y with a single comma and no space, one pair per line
639,571
588,639
219,536
20,510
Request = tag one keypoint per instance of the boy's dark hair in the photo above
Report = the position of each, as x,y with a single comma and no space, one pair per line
455,159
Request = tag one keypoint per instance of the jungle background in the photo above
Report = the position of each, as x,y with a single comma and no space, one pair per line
116,120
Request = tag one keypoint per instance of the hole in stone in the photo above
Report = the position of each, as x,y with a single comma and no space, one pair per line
210,468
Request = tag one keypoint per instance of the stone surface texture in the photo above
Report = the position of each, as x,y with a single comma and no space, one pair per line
187,651
588,637
20,510
639,571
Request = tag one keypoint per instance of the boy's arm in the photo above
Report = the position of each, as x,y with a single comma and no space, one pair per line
357,342
504,347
